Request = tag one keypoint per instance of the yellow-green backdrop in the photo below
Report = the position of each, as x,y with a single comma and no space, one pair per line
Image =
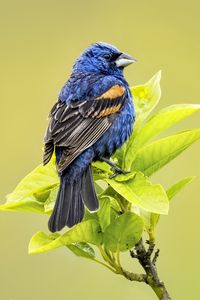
39,42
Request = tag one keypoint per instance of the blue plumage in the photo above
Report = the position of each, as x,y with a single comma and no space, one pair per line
93,117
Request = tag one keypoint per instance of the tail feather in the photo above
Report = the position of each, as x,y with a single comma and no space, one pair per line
77,208
69,206
62,207
88,192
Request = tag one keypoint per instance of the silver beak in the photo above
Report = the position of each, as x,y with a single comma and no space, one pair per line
124,60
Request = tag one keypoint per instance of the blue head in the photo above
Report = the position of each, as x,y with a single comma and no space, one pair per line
102,58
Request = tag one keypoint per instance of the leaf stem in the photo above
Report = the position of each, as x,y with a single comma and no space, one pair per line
106,257
123,208
118,258
105,265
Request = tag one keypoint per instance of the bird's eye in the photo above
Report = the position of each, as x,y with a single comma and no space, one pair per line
107,56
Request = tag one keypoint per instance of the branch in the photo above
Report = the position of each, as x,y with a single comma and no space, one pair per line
134,276
149,265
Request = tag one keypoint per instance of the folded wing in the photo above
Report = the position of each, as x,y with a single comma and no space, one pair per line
78,125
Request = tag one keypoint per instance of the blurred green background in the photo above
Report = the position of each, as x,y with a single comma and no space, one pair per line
39,42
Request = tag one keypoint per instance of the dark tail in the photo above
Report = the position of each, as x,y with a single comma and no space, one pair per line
69,207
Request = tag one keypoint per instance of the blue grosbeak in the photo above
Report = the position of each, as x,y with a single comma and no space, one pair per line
93,116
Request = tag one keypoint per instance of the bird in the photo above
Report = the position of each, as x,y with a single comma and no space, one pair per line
92,117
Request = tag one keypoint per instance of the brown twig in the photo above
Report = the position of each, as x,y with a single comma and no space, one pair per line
149,265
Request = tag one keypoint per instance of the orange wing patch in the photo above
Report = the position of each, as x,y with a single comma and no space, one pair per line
109,111
113,93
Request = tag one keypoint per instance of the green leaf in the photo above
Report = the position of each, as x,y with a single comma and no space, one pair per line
27,205
82,250
87,231
104,212
43,177
50,202
119,155
145,98
157,154
142,193
90,215
154,218
100,170
33,203
40,240
31,193
178,186
101,166
125,177
123,233
113,207
98,187
151,219
161,121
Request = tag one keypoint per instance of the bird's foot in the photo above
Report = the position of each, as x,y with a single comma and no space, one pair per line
118,172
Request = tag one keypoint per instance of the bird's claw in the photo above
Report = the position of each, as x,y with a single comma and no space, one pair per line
118,172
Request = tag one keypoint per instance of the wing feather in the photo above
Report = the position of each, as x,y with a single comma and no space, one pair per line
78,125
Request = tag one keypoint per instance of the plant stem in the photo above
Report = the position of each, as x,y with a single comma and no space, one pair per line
160,291
105,265
148,264
118,258
147,259
134,276
107,259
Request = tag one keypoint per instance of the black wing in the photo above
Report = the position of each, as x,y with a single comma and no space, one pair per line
78,125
